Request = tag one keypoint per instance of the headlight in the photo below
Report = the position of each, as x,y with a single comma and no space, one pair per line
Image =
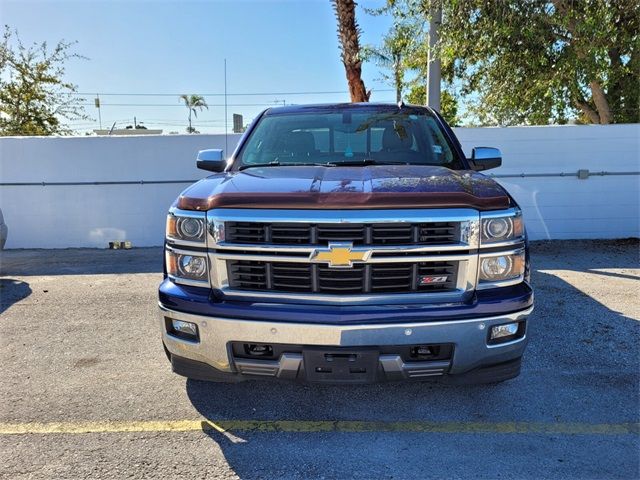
502,228
187,266
501,268
186,228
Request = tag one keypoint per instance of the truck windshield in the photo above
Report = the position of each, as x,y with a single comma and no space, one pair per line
348,138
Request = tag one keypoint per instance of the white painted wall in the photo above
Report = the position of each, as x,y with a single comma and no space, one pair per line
93,215
569,208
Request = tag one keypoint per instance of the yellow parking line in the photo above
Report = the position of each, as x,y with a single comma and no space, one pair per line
307,426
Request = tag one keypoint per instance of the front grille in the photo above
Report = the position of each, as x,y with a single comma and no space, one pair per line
256,233
363,278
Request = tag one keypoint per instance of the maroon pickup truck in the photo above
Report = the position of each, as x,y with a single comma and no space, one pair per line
346,243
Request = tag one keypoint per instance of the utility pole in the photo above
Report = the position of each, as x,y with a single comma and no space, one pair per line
433,62
97,104
226,143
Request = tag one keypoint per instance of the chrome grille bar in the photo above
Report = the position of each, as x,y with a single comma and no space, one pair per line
388,275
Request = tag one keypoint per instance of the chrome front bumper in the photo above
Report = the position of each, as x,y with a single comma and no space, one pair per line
469,338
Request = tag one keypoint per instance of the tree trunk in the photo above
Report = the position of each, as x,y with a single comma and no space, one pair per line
591,114
599,98
348,34
603,115
397,72
357,91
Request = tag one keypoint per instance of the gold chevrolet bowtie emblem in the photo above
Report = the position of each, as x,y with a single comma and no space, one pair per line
341,255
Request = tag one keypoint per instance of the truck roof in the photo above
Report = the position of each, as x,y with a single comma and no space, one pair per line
340,107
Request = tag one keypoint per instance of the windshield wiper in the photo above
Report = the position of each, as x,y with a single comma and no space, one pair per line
346,163
285,164
364,161
253,165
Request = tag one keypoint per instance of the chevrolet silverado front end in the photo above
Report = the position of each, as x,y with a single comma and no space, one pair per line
349,244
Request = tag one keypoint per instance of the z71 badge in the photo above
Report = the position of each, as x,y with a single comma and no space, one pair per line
430,279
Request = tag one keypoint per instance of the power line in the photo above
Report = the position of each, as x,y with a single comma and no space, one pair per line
176,105
171,123
178,123
166,120
147,94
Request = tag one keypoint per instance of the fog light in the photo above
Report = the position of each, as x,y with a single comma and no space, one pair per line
499,332
182,329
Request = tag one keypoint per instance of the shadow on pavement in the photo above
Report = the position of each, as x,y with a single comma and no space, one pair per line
12,291
581,366
80,261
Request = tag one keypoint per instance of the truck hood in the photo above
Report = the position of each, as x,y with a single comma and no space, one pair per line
361,187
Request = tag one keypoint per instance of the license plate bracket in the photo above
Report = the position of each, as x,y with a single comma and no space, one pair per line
351,365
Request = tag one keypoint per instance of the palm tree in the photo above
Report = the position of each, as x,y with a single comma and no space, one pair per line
396,45
349,36
193,103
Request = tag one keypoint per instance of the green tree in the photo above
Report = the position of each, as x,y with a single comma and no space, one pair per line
193,103
403,51
390,55
448,103
540,61
349,36
35,98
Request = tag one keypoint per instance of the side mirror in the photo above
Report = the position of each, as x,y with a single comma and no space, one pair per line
211,160
484,158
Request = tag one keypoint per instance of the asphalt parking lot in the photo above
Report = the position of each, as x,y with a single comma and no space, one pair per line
86,390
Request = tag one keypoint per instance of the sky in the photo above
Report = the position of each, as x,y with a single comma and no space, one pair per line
274,50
